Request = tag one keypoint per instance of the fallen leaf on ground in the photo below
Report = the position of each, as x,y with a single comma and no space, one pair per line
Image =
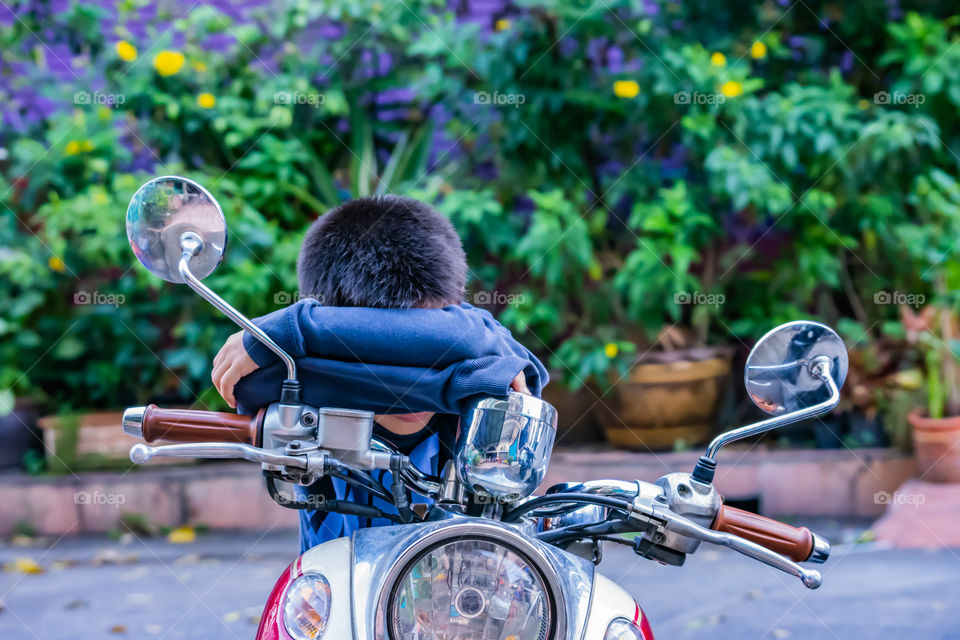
188,559
118,628
24,565
112,556
182,535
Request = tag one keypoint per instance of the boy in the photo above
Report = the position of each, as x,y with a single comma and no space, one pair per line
385,330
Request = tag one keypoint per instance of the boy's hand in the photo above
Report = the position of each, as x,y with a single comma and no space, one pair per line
520,384
231,364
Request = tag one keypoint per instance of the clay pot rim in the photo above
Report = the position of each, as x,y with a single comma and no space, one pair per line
918,420
696,354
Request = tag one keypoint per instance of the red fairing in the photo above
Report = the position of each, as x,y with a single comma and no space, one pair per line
271,622
640,619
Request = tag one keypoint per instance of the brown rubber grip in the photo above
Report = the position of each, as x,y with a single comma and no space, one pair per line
189,425
794,543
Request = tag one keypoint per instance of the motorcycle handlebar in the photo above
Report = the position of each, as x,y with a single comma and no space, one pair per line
798,544
152,423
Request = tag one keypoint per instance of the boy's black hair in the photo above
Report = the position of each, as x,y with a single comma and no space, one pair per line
383,251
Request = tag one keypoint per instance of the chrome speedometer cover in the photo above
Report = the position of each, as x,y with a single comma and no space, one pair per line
382,554
504,445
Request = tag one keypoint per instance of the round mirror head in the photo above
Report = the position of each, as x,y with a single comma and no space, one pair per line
778,374
163,210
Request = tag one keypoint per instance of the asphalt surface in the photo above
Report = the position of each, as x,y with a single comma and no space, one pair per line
216,587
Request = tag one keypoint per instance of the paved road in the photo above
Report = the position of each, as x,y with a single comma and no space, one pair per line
214,588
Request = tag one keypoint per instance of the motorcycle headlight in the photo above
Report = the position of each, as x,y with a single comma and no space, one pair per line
623,629
470,588
306,607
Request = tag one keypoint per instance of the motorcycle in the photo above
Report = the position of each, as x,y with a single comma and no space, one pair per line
487,558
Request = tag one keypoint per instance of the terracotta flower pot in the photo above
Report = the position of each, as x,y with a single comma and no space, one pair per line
936,443
673,396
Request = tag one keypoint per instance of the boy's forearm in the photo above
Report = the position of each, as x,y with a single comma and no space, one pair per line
407,337
281,326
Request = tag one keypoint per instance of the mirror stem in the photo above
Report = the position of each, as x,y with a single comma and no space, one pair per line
820,369
191,244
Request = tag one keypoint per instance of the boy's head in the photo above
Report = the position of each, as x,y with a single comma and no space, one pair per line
384,251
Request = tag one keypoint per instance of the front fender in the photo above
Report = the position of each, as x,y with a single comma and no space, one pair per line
610,602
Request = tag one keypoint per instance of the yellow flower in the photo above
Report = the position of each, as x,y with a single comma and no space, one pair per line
718,59
56,264
502,24
758,51
126,51
206,100
732,88
863,104
76,146
611,350
199,67
168,63
626,88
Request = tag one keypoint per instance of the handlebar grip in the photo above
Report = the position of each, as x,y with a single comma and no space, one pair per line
792,542
153,423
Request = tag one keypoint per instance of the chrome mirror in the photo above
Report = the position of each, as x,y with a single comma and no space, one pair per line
168,211
780,377
794,372
178,232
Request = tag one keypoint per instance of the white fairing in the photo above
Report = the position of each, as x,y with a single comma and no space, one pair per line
334,559
609,601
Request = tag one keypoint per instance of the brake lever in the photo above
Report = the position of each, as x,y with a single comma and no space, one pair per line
678,524
141,453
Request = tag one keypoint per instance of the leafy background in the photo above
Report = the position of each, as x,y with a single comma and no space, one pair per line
620,172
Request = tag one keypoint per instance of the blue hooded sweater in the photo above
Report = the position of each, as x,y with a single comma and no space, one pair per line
386,361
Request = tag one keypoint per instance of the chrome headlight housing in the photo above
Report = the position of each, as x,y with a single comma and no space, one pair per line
470,587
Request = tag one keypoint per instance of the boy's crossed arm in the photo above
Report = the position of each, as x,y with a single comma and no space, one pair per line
233,362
